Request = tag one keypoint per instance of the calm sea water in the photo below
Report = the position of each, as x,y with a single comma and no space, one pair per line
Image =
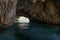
35,31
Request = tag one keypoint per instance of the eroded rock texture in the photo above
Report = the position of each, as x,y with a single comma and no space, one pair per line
7,11
47,11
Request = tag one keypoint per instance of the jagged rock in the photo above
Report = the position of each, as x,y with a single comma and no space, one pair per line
47,11
7,12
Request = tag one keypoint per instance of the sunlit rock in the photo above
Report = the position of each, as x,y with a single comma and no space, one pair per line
23,19
23,22
7,12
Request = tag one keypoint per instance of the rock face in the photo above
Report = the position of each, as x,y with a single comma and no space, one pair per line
47,11
7,11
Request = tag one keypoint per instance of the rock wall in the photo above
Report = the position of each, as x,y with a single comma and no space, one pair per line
47,11
7,12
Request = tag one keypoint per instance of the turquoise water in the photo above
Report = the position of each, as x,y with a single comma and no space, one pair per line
35,31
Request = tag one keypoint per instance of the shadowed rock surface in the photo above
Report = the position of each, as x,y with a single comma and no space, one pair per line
47,11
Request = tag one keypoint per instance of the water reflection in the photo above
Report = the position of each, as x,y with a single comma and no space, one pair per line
37,31
21,31
23,26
